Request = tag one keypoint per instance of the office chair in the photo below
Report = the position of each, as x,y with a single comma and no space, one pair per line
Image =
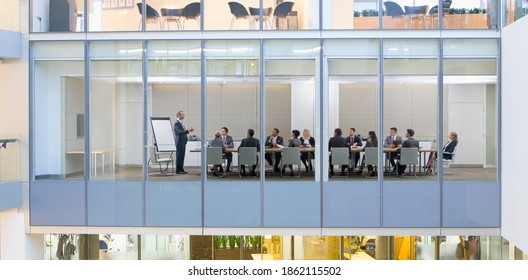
371,158
239,12
247,156
416,13
191,11
161,158
282,11
291,156
214,157
409,156
152,15
340,157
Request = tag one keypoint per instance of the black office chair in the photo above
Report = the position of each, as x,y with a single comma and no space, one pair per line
282,11
191,11
239,12
152,15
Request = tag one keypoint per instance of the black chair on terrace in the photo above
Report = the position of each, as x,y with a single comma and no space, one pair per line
152,15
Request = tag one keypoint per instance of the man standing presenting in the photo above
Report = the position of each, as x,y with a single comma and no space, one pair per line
228,143
180,137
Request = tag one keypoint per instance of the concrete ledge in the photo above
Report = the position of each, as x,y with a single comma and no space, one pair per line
10,195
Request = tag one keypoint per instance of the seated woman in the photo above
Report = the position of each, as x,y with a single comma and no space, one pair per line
447,151
371,142
307,141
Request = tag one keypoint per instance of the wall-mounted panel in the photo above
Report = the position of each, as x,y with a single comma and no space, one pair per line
115,204
57,203
236,204
411,204
471,204
175,204
351,204
292,204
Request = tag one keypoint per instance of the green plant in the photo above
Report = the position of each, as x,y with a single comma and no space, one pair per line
369,13
232,241
357,14
475,11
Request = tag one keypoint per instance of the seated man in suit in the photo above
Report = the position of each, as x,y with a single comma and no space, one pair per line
353,140
250,141
228,143
393,141
217,142
409,143
337,142
274,141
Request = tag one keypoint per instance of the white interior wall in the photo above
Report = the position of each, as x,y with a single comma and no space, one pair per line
411,106
128,124
15,244
9,14
303,107
358,108
48,127
514,226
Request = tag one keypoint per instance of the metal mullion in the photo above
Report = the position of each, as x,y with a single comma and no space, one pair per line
380,126
262,123
440,123
203,123
145,130
87,123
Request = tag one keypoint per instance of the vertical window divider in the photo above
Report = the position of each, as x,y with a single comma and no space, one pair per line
87,122
262,162
145,130
380,124
440,133
203,123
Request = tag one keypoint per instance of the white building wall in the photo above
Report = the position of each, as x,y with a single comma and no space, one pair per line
514,133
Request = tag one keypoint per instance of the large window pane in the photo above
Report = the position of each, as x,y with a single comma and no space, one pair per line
470,110
276,15
174,85
410,113
353,90
473,14
233,105
54,15
59,95
291,102
116,115
336,14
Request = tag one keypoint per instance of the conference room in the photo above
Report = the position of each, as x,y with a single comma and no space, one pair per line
295,95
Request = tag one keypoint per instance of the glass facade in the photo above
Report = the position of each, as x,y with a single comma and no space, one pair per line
165,15
276,247
293,95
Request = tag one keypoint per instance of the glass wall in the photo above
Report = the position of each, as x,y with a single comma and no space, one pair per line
353,90
275,247
410,113
291,108
470,110
174,77
233,105
116,115
59,110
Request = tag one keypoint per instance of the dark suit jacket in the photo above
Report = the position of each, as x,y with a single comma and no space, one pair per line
279,141
411,143
311,140
295,142
449,148
180,134
337,142
228,141
353,140
388,140
250,142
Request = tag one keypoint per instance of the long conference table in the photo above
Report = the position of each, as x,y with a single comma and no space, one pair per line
422,152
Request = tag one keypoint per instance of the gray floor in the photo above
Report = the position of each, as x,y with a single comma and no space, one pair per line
135,174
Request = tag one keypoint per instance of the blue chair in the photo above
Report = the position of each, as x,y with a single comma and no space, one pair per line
433,13
266,16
